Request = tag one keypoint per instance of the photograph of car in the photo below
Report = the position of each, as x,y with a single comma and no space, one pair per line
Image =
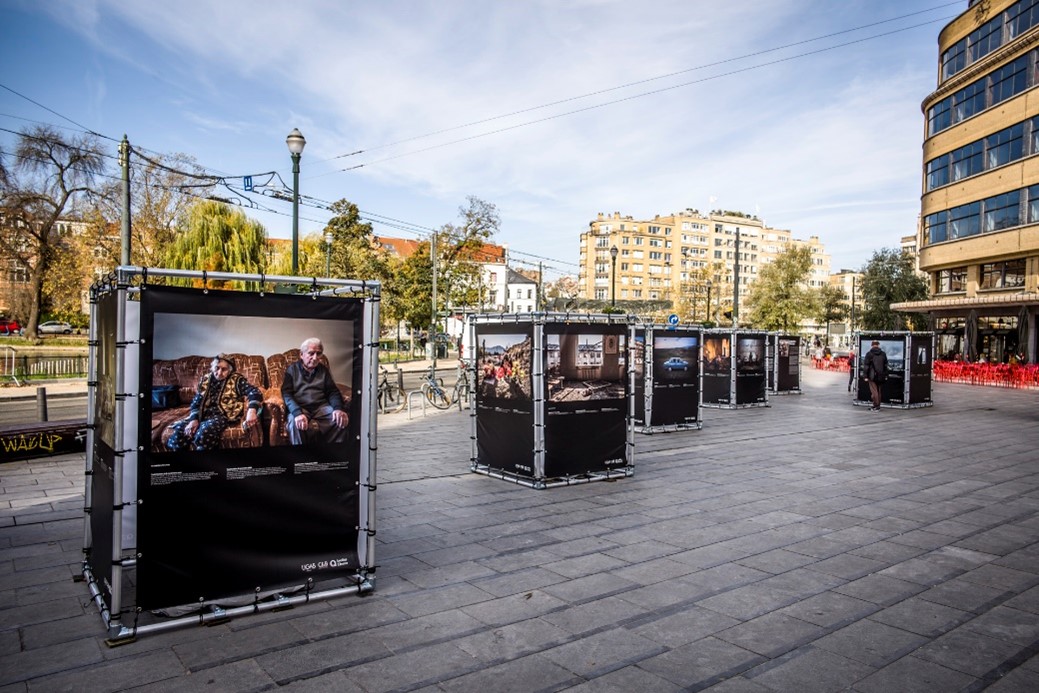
8,326
54,327
675,364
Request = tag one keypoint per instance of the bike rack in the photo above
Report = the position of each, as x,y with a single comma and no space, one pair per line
10,354
411,394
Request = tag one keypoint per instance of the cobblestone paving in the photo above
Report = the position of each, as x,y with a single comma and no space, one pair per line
807,546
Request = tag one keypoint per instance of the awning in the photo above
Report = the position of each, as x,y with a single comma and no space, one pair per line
993,301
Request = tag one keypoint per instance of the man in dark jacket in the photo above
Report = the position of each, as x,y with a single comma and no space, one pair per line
316,410
875,365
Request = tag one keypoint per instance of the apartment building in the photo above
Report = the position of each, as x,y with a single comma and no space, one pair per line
683,256
979,234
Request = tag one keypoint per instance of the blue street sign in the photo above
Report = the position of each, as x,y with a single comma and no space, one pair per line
247,183
672,319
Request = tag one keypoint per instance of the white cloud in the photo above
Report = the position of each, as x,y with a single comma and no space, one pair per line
827,144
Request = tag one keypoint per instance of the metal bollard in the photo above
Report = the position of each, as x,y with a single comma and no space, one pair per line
400,378
41,403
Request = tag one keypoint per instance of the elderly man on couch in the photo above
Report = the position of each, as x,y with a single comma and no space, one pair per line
316,411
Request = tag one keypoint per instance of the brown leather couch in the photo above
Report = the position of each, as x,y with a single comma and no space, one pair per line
265,373
185,373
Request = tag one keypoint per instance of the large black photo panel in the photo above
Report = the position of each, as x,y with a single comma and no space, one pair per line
245,510
717,369
676,378
504,407
751,381
585,398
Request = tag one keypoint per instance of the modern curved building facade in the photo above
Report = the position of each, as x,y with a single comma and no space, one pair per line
979,226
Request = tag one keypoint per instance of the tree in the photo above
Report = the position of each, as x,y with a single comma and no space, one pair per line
158,199
216,237
780,298
459,271
890,277
413,289
354,254
53,178
832,306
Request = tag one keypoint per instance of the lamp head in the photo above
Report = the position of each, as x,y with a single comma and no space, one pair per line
296,142
613,252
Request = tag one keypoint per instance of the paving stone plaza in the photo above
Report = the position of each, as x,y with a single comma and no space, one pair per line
807,546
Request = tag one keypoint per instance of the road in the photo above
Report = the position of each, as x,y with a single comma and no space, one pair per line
19,411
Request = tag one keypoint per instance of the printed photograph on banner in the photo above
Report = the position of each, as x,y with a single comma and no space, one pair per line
750,354
717,354
503,366
582,367
638,355
894,349
896,354
675,359
224,382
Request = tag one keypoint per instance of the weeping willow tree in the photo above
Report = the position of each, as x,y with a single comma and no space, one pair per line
216,237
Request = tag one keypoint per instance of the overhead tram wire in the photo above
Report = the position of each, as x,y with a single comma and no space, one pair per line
417,230
650,79
51,110
625,99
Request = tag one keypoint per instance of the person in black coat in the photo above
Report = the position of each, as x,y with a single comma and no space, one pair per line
875,365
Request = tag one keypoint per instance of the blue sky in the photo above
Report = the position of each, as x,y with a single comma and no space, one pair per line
445,100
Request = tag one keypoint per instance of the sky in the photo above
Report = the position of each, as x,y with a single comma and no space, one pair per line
805,113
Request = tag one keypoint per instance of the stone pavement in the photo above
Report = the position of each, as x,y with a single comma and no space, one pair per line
807,546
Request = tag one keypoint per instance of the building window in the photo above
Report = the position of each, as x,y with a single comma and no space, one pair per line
937,172
967,161
939,116
965,220
1021,16
996,213
952,280
968,101
1005,146
954,59
1003,275
985,39
1002,211
998,86
1017,19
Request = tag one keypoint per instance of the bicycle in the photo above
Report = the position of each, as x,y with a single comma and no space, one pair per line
390,396
433,390
462,389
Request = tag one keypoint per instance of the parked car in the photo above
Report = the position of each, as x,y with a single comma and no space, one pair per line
54,327
675,364
8,326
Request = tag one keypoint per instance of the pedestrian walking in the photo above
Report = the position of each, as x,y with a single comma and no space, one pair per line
875,364
851,369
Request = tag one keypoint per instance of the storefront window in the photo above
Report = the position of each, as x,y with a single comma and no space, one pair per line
1003,275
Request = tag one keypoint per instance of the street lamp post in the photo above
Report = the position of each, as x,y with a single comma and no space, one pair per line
613,276
295,142
708,301
328,254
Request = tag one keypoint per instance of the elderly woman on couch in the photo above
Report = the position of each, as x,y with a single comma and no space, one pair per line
224,398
